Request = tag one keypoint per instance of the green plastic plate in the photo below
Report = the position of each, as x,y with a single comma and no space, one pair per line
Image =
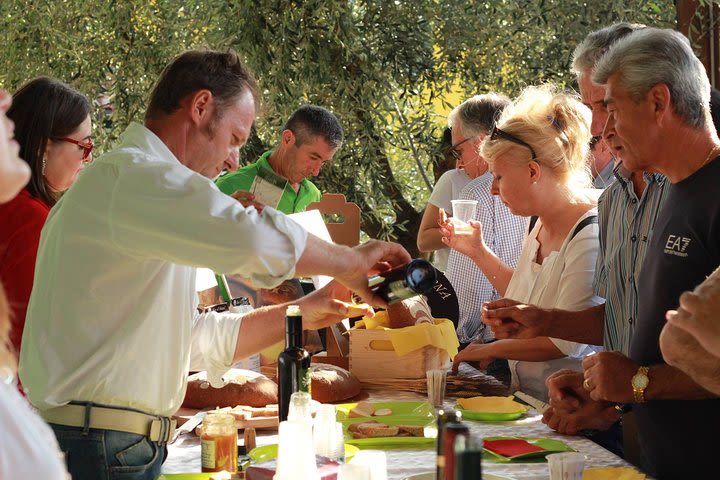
268,452
418,410
390,442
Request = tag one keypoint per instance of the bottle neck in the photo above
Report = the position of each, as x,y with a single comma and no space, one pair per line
293,331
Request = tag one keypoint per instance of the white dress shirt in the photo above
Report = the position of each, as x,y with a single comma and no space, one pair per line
564,281
111,313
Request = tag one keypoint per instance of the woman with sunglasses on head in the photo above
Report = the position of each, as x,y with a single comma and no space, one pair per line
28,448
52,127
537,153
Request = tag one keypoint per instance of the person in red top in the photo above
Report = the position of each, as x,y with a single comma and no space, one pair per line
52,127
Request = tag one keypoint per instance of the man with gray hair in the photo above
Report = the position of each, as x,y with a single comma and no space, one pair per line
503,232
658,96
585,57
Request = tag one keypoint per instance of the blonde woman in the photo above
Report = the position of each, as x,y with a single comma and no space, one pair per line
28,448
537,153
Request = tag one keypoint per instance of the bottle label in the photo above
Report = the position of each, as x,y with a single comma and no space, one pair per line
400,291
207,453
441,461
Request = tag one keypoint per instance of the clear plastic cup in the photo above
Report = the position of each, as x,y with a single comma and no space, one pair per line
463,211
566,466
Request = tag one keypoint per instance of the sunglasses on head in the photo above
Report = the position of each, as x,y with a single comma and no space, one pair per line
86,146
496,133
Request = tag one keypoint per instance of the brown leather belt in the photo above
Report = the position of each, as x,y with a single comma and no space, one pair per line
157,429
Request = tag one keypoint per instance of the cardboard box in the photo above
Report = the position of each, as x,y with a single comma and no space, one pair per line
373,356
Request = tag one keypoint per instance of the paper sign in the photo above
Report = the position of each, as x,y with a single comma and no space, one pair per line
268,187
312,221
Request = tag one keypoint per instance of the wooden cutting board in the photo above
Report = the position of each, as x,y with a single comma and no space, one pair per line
185,414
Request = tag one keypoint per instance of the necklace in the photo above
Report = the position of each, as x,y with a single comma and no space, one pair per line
711,154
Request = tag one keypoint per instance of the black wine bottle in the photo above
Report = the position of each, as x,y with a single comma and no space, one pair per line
293,366
415,278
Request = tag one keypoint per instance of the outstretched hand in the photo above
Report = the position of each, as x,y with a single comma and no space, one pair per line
371,256
482,353
511,319
330,305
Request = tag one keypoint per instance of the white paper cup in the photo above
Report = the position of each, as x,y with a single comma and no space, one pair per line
296,458
566,466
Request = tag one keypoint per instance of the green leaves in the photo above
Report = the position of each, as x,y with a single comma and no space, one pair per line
390,70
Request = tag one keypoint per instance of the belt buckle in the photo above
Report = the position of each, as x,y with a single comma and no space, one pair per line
162,430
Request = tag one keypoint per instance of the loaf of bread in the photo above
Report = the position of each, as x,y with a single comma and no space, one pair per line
331,383
409,312
242,387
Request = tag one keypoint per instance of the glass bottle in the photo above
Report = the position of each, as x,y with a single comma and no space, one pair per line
293,365
443,417
218,443
468,458
451,430
405,281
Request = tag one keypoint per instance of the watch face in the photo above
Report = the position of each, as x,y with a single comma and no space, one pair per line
640,381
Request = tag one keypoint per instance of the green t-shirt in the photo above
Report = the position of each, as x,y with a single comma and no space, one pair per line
290,202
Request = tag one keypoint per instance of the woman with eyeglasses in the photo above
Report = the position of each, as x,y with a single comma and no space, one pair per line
52,128
537,153
28,448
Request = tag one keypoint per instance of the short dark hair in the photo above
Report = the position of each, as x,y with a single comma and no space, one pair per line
44,109
223,73
309,121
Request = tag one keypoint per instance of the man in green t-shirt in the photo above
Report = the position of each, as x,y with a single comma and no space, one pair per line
310,138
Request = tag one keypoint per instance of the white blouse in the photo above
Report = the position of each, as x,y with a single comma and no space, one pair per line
28,448
563,281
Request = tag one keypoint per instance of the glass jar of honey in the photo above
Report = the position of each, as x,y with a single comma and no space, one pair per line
218,443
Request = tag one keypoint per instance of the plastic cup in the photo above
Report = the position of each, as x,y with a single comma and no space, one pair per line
374,460
353,471
296,458
566,466
436,386
463,212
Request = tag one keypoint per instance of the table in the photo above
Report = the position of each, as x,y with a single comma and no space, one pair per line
184,454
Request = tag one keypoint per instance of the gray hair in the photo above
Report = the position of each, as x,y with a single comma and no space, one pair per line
590,50
477,115
652,56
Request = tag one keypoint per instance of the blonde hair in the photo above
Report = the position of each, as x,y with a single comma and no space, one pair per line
7,358
556,125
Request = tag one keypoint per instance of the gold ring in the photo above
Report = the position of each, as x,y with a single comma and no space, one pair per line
586,384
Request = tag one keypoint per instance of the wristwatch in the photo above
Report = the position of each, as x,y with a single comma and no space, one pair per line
639,383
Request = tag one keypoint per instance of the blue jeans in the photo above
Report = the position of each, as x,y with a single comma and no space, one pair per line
108,454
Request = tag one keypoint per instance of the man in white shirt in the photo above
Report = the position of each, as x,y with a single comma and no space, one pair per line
106,347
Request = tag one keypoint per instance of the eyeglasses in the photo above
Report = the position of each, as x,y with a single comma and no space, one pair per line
454,152
86,146
496,133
